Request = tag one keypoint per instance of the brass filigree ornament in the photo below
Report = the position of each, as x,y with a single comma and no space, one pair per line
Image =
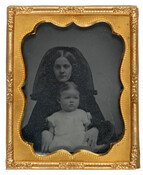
125,153
134,88
9,87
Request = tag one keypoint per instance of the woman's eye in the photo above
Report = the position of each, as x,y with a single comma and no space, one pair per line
66,66
57,66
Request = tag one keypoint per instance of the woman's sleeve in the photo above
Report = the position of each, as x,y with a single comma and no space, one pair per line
89,104
37,122
32,131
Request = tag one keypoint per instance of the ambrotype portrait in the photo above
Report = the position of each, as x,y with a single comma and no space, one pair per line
72,88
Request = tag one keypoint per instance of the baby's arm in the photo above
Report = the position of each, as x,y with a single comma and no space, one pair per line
51,127
88,121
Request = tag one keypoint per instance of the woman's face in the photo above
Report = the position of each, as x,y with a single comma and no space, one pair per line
62,69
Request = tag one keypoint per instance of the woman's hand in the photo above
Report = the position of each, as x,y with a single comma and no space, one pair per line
91,137
46,140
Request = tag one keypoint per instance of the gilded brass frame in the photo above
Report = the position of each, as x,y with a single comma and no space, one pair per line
125,153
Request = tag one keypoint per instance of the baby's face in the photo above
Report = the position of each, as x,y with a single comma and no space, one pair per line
69,100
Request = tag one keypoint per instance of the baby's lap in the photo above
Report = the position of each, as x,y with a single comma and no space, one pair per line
69,137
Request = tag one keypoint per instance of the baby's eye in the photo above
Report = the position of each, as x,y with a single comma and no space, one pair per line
76,97
68,97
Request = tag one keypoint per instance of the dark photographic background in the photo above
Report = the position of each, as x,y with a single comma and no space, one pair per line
103,51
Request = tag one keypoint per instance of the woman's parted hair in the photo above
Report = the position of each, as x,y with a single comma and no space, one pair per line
45,80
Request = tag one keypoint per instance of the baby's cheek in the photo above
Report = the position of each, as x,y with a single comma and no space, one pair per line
77,102
66,102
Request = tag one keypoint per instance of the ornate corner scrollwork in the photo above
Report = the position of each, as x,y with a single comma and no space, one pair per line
120,166
23,165
132,164
71,9
134,156
10,22
135,88
9,87
13,11
23,10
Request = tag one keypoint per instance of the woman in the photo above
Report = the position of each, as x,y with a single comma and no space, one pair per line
61,64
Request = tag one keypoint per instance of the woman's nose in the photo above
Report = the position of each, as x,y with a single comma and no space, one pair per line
62,69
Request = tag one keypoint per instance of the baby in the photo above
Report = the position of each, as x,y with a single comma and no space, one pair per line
68,125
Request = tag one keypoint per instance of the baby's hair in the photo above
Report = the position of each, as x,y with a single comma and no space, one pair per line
66,86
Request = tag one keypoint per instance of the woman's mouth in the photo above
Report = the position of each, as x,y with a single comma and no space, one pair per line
62,76
71,105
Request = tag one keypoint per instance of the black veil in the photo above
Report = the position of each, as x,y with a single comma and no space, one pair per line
45,81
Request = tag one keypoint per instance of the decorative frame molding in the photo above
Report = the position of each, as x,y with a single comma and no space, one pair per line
15,160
